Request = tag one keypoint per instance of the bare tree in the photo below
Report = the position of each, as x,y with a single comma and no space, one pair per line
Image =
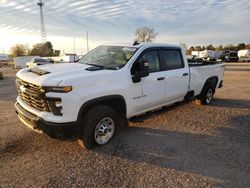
19,50
145,34
184,45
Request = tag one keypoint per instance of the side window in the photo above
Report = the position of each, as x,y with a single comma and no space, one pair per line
152,59
171,59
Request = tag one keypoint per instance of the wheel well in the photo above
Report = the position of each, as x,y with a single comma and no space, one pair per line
117,102
212,80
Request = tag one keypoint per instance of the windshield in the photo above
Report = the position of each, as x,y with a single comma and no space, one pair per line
109,57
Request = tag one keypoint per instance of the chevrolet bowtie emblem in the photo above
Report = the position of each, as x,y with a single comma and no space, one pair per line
22,88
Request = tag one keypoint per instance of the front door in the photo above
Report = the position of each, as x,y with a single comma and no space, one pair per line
149,93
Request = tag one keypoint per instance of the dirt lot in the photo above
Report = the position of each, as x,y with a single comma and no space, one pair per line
182,146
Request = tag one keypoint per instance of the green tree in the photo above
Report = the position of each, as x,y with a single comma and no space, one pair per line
188,51
192,48
229,47
145,34
210,47
56,52
42,49
19,50
198,48
219,48
241,46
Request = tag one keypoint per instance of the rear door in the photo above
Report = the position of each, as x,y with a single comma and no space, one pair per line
176,73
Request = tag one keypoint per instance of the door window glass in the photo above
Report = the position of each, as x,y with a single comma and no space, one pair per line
171,59
151,57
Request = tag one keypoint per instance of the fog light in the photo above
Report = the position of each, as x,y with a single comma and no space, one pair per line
58,104
55,105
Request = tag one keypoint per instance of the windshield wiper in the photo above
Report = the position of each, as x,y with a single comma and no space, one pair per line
101,66
95,65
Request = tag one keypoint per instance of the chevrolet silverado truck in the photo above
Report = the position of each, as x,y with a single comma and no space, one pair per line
91,99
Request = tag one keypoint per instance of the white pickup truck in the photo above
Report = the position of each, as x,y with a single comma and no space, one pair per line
90,99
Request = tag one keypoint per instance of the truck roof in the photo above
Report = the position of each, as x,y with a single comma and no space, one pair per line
143,44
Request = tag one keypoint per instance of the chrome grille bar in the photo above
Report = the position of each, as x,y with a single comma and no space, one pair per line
32,95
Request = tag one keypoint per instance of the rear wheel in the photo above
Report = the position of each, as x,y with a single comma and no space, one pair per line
99,125
207,94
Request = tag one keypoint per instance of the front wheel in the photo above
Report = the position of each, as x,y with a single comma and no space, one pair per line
99,125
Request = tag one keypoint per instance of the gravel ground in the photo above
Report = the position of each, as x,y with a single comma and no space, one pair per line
185,145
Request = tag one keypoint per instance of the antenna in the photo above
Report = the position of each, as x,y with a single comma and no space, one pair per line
40,3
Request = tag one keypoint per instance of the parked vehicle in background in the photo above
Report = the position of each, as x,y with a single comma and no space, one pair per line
244,55
195,54
20,62
37,62
70,58
91,99
208,55
231,56
50,60
4,58
1,73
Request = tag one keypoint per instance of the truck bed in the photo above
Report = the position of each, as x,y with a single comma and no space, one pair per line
195,62
200,71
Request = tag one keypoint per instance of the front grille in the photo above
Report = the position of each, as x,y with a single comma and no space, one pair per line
32,95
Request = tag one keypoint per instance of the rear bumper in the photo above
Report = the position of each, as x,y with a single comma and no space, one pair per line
70,130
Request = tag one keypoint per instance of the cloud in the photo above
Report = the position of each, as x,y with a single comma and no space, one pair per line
195,21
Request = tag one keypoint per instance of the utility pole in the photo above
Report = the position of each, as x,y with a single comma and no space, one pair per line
74,49
87,41
40,3
74,45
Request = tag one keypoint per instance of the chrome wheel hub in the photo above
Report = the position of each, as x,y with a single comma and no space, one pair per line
104,130
209,96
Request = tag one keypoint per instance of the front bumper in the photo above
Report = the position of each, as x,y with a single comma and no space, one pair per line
69,130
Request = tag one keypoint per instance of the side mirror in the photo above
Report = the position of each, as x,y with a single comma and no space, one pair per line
142,72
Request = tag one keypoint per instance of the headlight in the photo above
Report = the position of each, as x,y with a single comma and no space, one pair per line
64,89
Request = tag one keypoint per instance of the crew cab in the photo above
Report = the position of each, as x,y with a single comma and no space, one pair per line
91,99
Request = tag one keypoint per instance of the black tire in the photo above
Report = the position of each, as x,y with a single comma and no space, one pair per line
92,119
207,94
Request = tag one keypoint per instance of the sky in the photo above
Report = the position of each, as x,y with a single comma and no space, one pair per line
194,22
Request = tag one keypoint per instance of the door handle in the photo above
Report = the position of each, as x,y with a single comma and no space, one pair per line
161,78
185,74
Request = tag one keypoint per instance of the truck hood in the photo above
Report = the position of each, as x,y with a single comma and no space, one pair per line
52,75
